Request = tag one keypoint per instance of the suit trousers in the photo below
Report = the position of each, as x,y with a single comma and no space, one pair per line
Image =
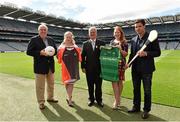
147,83
40,86
94,80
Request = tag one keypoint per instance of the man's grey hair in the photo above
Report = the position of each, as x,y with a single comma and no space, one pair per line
92,28
42,25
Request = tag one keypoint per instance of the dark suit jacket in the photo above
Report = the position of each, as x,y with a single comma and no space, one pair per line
90,57
146,63
42,64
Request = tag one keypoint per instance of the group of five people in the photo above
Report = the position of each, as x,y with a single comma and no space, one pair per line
69,55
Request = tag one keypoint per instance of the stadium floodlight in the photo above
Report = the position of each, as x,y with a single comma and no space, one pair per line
152,36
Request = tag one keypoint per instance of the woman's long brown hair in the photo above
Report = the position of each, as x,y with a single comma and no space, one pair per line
122,37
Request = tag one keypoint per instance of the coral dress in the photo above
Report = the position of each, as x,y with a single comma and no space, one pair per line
69,57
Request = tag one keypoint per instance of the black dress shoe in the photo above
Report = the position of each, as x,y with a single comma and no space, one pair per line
53,101
133,110
90,103
145,115
101,104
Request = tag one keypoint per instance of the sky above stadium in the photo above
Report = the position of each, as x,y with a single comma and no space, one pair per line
102,11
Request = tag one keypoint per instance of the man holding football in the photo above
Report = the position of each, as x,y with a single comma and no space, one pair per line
43,64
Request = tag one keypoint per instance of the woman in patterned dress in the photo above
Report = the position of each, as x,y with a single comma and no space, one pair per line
121,43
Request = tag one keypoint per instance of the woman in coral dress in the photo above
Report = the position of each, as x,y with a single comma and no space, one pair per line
69,57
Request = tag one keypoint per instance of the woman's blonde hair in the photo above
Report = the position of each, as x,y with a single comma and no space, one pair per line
122,37
67,33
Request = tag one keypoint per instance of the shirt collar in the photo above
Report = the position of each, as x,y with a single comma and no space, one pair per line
93,40
145,36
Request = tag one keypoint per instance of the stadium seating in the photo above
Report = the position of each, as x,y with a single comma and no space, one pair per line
15,34
5,47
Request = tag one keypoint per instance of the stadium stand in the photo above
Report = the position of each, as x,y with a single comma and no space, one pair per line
4,47
17,45
18,25
177,45
163,45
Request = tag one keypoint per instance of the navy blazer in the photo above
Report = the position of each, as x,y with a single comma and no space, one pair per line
42,64
90,57
146,63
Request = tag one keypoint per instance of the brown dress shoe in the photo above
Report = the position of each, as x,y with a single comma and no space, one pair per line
52,101
41,106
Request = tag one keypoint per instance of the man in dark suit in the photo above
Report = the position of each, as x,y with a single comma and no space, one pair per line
43,65
143,67
91,66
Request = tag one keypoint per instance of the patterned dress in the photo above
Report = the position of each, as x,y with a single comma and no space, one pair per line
122,62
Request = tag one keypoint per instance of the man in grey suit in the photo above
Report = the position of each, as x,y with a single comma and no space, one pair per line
91,66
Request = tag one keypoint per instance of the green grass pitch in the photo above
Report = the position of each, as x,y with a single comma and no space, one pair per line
165,86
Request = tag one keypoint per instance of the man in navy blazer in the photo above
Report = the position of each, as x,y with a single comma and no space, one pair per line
43,65
91,66
142,67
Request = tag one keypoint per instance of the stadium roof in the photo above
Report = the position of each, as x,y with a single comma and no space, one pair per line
149,21
10,10
27,14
